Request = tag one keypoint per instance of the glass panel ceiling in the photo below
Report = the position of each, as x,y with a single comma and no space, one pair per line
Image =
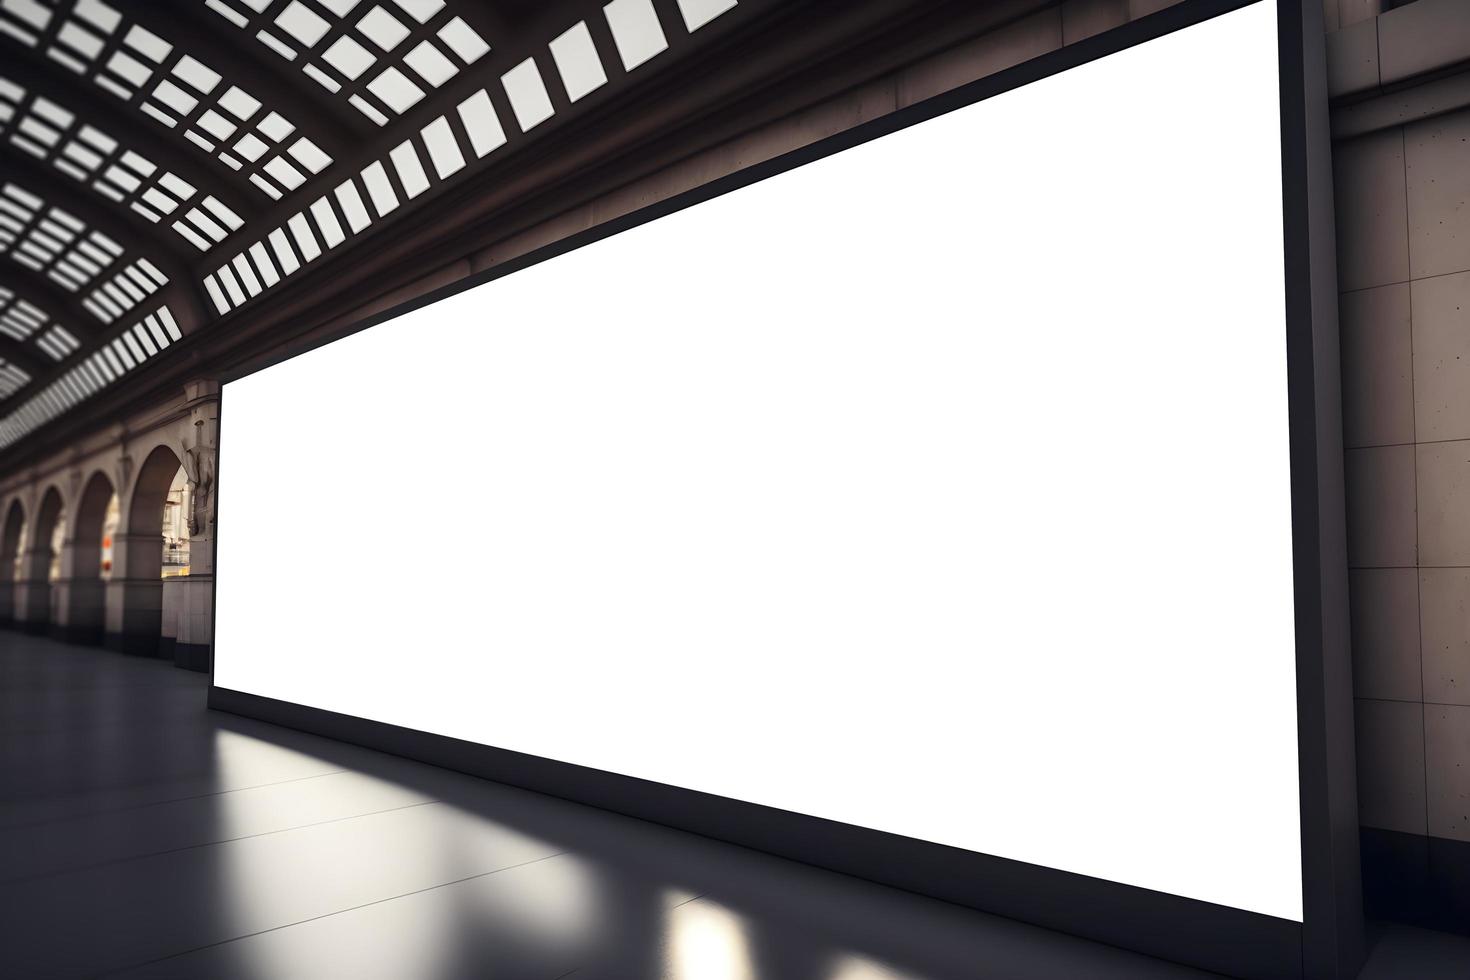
181,132
379,58
174,88
54,134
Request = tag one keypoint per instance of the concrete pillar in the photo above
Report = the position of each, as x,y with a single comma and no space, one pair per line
85,610
171,602
60,591
7,602
78,598
191,599
135,595
33,592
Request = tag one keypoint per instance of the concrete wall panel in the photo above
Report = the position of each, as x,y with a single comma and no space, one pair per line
1437,170
1446,747
1380,492
1444,503
1385,626
1391,765
1444,622
1084,18
1377,367
1441,383
1372,217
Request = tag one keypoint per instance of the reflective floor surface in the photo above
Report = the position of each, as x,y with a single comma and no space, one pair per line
144,836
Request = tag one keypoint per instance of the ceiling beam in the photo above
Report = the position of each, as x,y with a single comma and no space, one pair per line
25,356
38,291
58,304
137,236
242,60
41,76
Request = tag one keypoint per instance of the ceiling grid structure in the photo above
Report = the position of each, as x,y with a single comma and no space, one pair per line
56,136
82,260
202,153
568,63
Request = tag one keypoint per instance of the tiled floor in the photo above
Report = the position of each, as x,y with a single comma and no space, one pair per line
143,836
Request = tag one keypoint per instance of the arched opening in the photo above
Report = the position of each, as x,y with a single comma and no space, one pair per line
41,562
91,561
149,519
176,527
10,554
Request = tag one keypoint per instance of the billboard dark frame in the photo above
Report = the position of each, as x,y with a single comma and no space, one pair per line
1328,942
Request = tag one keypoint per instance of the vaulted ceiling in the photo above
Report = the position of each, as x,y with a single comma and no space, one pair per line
190,187
167,164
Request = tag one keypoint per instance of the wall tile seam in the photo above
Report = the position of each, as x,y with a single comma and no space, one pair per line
1402,282
1414,428
1408,81
1346,128
1426,704
1410,833
1403,445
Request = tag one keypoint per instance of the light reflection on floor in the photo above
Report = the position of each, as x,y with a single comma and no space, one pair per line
142,836
707,942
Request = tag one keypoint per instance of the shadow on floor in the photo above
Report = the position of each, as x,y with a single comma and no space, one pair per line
144,836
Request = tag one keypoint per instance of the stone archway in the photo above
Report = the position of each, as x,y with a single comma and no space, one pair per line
139,555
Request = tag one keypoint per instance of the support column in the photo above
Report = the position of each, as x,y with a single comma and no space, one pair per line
82,598
33,591
58,615
135,595
192,597
8,606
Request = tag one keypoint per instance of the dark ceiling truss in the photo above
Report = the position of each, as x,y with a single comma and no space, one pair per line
53,243
190,26
18,365
56,306
87,374
141,261
125,163
380,59
395,100
475,114
220,116
21,322
132,231
87,261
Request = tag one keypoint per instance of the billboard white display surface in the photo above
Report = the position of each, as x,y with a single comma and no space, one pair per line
939,487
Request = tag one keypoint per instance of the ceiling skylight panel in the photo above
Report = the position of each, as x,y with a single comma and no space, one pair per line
481,122
126,288
92,157
12,379
19,319
26,17
327,223
382,57
444,151
58,343
577,61
636,31
176,89
53,242
141,340
527,93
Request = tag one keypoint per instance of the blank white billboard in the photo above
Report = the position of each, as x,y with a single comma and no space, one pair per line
939,487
